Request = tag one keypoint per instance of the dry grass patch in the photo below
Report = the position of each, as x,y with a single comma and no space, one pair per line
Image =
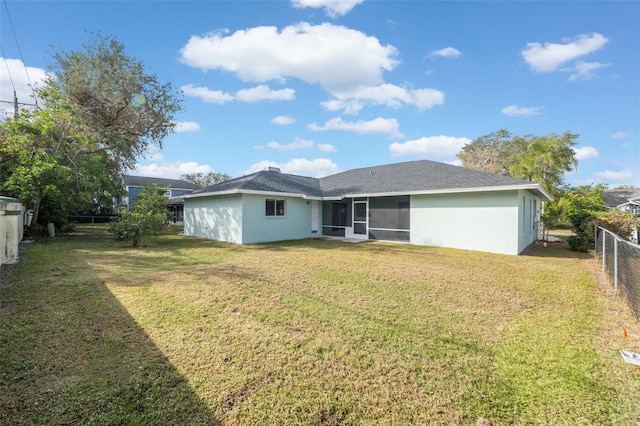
310,332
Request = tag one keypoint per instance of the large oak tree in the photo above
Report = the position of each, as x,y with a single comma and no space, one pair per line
543,159
102,111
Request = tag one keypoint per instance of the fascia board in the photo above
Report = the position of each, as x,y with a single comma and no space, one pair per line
535,188
532,187
251,192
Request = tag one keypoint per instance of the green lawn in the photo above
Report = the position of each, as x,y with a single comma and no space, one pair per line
188,331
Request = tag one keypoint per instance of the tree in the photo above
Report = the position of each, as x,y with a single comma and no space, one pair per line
486,153
148,217
204,180
573,200
128,109
45,160
101,112
581,206
543,159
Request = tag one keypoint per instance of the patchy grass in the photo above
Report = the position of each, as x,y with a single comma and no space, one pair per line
309,332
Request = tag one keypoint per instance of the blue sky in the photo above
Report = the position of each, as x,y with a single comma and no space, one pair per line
316,87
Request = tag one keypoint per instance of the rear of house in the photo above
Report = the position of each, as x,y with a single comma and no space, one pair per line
422,202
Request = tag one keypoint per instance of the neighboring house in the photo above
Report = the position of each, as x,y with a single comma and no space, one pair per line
626,200
174,189
418,202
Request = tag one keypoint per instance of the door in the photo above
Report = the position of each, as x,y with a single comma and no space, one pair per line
360,220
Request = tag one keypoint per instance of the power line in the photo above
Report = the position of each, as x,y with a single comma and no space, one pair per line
4,56
7,65
15,36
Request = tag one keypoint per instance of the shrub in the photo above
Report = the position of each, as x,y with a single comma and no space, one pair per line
623,224
584,239
148,217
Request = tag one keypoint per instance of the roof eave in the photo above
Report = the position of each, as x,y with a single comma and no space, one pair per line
252,192
531,187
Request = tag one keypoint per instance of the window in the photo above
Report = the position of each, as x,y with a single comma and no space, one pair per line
274,208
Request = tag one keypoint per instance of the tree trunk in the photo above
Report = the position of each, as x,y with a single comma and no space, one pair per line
36,211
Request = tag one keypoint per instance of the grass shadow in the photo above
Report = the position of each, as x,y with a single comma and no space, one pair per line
554,250
72,354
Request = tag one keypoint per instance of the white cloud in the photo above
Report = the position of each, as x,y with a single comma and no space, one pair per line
14,69
263,92
333,8
585,70
254,94
326,147
170,170
551,56
298,166
377,125
283,120
586,153
336,57
296,144
187,126
615,176
432,146
621,135
207,95
447,52
352,101
515,110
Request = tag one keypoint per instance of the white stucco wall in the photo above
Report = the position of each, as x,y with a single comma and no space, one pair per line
259,228
10,229
217,218
529,228
483,221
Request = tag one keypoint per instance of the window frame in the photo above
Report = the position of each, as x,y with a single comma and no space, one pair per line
275,207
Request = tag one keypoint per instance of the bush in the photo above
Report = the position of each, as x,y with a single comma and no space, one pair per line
620,223
583,224
148,217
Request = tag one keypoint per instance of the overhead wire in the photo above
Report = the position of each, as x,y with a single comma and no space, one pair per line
4,57
15,36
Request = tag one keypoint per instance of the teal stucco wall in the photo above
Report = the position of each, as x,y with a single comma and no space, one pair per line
257,227
483,221
217,218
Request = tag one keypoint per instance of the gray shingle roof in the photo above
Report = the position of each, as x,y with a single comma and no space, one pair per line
615,197
268,181
130,180
412,176
407,177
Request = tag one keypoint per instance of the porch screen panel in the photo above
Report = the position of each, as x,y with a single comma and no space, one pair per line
336,216
385,235
389,218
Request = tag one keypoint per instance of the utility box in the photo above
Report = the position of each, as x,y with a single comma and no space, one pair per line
11,223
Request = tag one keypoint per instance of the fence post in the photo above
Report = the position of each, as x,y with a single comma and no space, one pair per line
604,247
615,264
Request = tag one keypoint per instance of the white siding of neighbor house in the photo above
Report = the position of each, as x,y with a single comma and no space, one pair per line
217,218
257,227
483,221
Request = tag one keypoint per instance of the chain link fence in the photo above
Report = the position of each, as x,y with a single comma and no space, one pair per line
621,261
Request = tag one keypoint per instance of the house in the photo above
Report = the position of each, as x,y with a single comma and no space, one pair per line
174,189
417,202
624,199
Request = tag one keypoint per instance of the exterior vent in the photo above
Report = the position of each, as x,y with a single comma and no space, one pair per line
273,169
